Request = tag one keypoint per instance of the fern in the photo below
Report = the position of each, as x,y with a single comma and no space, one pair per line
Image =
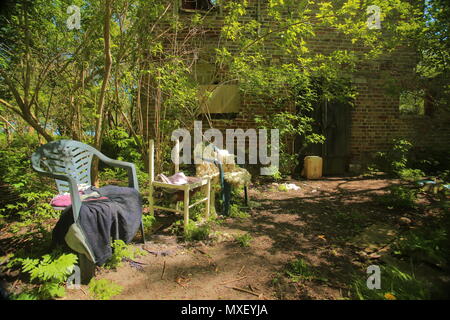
122,251
49,273
104,289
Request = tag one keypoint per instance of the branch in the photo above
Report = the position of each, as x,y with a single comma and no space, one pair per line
7,122
10,106
276,31
13,90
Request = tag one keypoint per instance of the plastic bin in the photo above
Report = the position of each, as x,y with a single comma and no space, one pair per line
313,167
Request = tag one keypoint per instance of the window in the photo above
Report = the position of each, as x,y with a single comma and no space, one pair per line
198,4
412,102
205,72
220,98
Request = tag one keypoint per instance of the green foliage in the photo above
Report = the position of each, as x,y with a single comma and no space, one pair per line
411,165
195,231
243,240
24,296
34,191
148,221
395,285
122,250
433,162
49,273
434,50
196,213
120,145
430,243
104,289
297,91
299,269
412,102
237,212
114,176
399,197
396,159
236,191
411,175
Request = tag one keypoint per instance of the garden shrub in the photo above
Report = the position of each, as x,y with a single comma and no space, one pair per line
118,144
411,175
196,213
403,161
289,124
396,159
286,86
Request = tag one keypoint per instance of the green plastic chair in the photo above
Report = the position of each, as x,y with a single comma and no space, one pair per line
69,163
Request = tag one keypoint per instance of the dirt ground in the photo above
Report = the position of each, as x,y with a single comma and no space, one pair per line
315,223
323,223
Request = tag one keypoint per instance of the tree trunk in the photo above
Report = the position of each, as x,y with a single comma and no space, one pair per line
101,103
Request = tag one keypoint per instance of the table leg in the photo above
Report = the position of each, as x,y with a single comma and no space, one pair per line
186,208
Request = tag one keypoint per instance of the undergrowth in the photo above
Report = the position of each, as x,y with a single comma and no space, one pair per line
395,285
195,231
243,240
122,251
237,212
299,269
399,197
48,274
104,289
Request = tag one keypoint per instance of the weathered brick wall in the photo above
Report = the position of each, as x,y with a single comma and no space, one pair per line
376,119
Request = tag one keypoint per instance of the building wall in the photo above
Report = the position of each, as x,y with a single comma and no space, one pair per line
376,118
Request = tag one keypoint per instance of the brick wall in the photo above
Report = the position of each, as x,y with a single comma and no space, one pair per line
376,119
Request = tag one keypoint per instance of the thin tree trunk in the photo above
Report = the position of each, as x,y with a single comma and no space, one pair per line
101,103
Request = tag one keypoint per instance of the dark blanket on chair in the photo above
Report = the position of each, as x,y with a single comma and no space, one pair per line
97,220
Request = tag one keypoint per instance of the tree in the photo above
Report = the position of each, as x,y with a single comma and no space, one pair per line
135,57
434,50
101,102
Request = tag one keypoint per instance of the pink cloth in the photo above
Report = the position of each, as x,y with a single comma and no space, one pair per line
178,178
61,200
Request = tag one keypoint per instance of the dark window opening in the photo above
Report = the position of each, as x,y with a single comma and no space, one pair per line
412,102
197,4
